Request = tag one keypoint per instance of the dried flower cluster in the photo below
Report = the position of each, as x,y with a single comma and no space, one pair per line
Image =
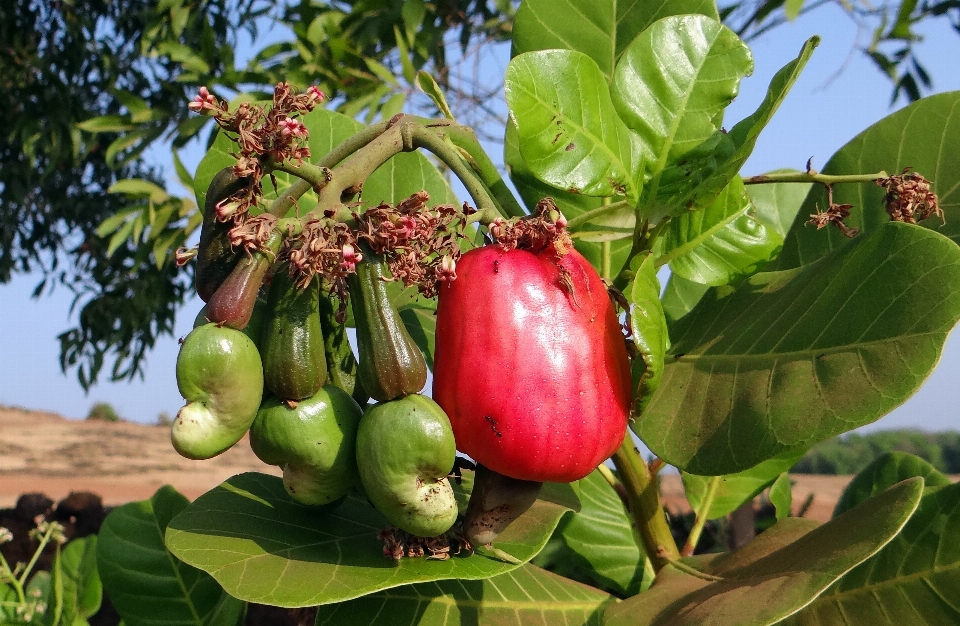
398,544
420,245
835,214
546,227
326,248
909,198
263,134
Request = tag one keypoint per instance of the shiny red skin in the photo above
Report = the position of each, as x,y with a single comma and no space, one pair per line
535,378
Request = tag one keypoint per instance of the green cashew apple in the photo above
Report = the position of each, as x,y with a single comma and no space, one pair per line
405,450
314,442
220,376
342,368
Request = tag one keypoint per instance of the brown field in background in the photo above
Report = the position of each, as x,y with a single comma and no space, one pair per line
124,461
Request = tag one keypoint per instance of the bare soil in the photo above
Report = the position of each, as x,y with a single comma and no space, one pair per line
122,462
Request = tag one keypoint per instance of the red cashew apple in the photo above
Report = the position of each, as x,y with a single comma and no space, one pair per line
531,364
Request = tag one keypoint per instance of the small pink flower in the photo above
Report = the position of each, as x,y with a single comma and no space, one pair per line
407,226
350,258
204,101
226,209
448,269
315,94
290,127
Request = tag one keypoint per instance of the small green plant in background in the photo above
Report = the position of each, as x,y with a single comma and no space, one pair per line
104,412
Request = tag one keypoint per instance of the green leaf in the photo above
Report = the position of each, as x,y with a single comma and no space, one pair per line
122,235
274,551
649,332
791,358
526,594
569,133
924,136
113,222
781,495
723,242
773,576
792,8
673,83
428,85
82,590
106,124
45,587
708,170
397,179
736,489
887,469
145,583
777,204
600,536
602,30
139,187
913,580
183,175
680,297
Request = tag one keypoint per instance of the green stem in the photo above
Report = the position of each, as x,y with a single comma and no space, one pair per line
606,259
6,574
702,512
583,218
812,177
36,555
464,138
644,502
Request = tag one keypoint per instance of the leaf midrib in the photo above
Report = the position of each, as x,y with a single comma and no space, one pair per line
702,237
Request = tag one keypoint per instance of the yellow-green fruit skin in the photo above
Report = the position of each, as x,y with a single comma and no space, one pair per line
314,443
405,450
220,375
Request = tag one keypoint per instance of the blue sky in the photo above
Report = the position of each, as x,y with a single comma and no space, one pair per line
818,117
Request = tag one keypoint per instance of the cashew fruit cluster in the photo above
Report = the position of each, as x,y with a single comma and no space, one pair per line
531,378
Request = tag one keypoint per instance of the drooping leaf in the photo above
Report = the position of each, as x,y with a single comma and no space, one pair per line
777,204
82,590
672,85
147,584
924,136
602,30
781,495
401,176
649,332
600,536
705,172
680,297
736,489
915,579
527,595
569,134
274,551
428,85
887,469
720,243
791,358
773,576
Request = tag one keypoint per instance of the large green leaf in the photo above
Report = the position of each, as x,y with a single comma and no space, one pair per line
791,358
569,134
777,204
673,83
601,29
649,328
887,469
704,172
82,589
145,583
527,595
680,297
398,178
601,538
736,489
915,579
720,243
773,576
924,136
264,547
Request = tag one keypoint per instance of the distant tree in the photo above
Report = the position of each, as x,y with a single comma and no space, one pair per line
850,453
104,412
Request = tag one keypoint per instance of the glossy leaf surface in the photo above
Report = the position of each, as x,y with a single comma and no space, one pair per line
773,576
791,358
720,243
145,583
649,328
569,134
271,550
527,595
